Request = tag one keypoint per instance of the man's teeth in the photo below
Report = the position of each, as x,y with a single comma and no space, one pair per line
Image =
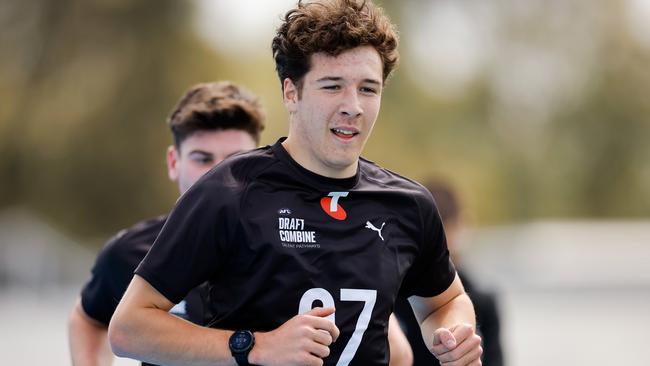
343,132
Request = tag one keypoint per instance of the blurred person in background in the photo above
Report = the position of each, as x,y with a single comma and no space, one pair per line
210,122
485,305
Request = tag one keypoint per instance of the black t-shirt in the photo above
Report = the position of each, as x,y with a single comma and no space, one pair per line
113,271
274,240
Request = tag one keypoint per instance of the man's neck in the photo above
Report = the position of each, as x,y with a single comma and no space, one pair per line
316,166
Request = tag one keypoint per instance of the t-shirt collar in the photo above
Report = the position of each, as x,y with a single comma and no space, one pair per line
320,181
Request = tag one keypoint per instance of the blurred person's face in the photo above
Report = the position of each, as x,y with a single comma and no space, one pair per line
201,151
333,117
454,232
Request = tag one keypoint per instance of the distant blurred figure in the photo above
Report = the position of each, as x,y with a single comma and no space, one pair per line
211,122
485,306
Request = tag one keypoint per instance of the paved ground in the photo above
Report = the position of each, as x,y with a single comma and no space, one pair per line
580,299
549,328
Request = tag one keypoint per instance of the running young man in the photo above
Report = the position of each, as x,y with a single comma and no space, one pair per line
303,223
211,122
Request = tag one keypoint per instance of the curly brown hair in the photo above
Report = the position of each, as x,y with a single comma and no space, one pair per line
216,106
332,27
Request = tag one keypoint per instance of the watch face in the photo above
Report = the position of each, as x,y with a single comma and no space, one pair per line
241,341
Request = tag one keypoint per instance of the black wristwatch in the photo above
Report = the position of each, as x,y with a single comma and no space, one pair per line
240,343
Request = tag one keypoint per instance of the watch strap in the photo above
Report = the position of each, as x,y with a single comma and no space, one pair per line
242,358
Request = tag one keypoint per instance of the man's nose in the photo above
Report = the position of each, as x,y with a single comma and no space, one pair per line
351,104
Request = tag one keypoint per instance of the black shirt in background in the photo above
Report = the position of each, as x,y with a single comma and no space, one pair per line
113,271
487,320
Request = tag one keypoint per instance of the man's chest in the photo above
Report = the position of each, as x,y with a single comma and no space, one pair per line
296,250
346,237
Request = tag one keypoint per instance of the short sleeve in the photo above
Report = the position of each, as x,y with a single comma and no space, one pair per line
190,247
109,279
432,272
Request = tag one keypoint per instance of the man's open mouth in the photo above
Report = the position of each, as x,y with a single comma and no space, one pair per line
344,133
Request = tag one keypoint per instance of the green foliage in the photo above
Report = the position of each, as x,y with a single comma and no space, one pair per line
86,86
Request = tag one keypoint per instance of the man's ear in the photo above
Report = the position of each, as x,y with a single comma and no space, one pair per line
289,95
172,160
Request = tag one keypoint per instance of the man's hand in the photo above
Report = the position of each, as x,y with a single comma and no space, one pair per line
457,346
302,340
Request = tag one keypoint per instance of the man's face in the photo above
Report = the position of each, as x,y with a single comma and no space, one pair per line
334,116
201,151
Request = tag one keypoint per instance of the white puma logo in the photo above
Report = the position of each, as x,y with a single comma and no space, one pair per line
372,227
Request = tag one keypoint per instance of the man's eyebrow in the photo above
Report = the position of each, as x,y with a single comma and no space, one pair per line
201,152
338,78
372,81
329,78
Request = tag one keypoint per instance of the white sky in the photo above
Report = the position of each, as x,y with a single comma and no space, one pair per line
240,27
449,42
638,12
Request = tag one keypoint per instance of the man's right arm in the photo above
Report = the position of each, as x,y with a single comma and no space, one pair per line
143,329
88,339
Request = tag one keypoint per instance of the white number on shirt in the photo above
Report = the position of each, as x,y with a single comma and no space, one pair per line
369,297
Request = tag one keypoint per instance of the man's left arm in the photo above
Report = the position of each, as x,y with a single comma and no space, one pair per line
401,353
448,325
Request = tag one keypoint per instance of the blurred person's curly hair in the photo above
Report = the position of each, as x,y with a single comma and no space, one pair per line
331,27
216,106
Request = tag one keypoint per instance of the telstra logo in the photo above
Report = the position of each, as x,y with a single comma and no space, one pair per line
330,205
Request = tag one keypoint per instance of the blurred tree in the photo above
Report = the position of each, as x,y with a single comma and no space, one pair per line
552,122
555,125
86,87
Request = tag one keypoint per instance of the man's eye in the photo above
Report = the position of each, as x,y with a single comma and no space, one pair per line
369,90
204,160
332,87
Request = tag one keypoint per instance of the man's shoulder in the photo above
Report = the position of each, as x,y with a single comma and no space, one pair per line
114,267
242,167
377,175
130,245
142,231
225,184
